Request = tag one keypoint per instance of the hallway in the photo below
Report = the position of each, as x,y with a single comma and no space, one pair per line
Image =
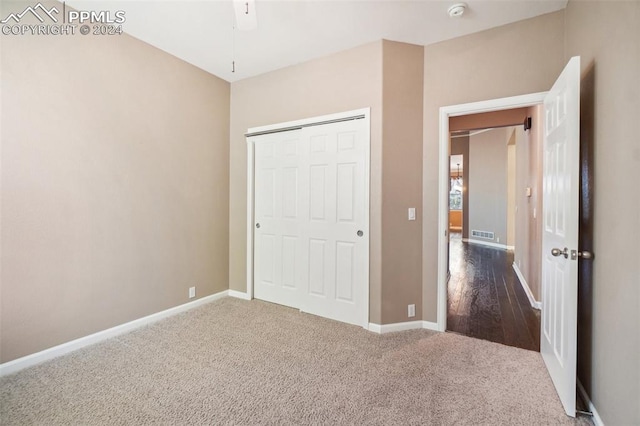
485,299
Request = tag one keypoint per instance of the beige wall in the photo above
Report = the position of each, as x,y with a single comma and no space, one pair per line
535,143
528,255
487,184
485,120
402,70
387,77
607,37
511,189
114,186
515,59
345,81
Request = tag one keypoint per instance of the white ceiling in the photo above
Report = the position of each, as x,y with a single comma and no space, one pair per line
294,31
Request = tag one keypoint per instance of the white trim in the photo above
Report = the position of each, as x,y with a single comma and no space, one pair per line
443,180
65,348
250,220
367,211
525,286
398,326
239,295
487,243
402,326
597,420
366,112
375,328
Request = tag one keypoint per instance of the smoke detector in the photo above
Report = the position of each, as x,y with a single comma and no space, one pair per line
457,10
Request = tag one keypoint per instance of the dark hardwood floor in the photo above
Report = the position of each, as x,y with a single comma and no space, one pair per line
485,298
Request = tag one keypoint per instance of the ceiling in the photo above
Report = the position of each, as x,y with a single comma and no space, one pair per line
295,31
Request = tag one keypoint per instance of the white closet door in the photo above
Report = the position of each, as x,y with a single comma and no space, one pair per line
279,210
311,236
337,247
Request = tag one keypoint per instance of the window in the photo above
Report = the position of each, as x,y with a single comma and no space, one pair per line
455,194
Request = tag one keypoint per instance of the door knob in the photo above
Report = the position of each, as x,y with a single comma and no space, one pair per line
583,254
557,252
257,225
360,233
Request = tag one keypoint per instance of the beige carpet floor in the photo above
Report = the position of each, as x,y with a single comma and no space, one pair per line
238,362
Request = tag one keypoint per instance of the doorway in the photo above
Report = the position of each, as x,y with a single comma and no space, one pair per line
559,241
485,297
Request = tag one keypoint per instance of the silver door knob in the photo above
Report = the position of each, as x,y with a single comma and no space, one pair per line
257,225
583,254
557,252
360,233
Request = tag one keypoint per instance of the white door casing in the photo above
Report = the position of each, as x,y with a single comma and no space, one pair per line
443,188
558,337
309,194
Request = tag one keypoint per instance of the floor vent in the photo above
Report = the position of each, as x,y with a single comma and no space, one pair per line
482,234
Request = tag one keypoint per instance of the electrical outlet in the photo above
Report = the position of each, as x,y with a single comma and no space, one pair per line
192,292
411,311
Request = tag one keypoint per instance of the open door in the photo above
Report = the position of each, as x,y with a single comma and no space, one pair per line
558,339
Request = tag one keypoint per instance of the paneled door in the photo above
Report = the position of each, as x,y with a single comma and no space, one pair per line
280,177
558,339
336,256
311,231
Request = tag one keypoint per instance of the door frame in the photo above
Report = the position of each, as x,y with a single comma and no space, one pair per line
363,114
443,179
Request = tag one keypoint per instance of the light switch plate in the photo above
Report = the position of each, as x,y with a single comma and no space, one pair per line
412,213
411,310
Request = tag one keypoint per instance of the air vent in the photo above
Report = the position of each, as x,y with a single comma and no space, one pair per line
482,234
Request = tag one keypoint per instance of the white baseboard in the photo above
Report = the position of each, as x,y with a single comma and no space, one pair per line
239,295
597,421
428,325
525,286
485,243
402,326
64,348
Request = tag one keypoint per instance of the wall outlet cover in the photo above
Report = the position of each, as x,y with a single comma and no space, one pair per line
411,311
192,292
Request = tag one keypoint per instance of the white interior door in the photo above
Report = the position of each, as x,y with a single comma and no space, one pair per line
311,214
560,233
338,231
279,215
